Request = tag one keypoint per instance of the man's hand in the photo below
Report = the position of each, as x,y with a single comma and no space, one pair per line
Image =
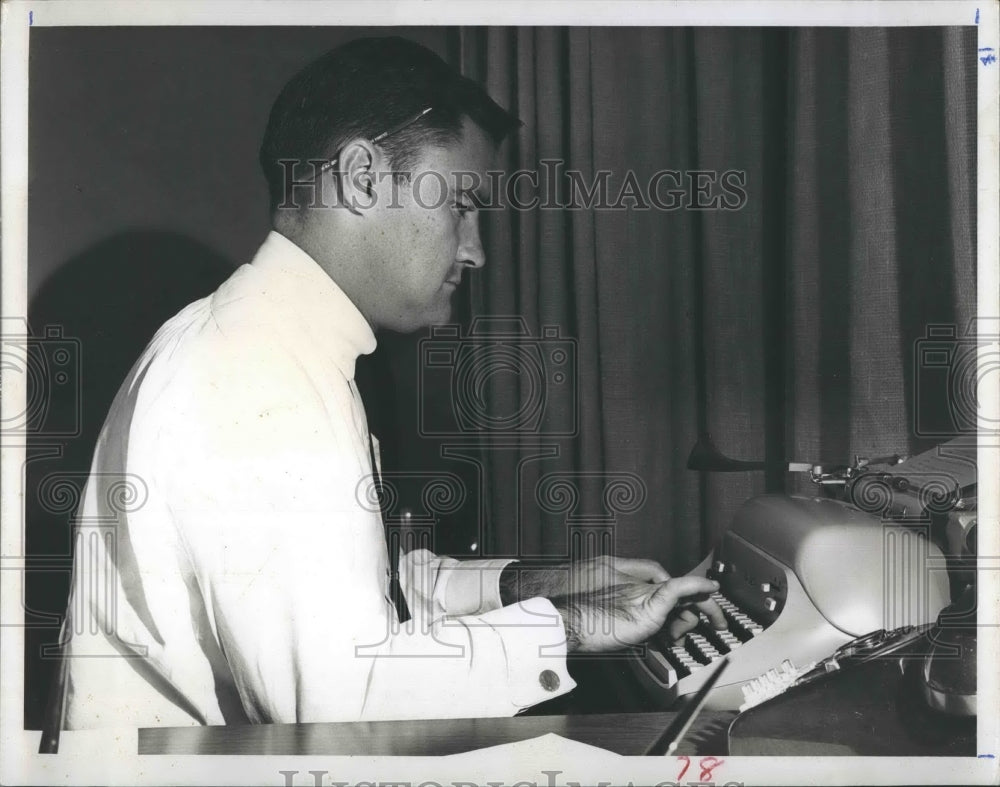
628,614
519,581
589,576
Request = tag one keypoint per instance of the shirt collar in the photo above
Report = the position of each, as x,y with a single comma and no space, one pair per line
297,285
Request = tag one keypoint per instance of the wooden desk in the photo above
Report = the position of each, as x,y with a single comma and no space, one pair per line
622,733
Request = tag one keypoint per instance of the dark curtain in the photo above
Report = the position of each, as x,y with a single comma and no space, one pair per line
785,327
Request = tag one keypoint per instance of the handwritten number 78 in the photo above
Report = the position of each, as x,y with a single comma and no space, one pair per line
707,765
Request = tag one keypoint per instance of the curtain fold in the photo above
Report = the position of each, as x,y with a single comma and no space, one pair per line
875,364
783,325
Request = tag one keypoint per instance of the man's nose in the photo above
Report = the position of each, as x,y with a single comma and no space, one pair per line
470,246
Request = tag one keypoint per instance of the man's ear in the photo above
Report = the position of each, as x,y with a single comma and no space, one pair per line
357,175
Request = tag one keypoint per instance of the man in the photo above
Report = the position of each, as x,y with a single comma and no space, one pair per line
244,574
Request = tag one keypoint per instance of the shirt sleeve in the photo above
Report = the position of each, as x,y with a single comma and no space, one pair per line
263,473
450,586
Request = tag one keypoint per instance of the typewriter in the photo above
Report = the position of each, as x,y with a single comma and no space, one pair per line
802,577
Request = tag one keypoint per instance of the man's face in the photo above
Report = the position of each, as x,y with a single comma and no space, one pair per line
427,232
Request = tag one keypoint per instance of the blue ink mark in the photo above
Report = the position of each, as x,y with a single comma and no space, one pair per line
31,18
977,16
989,57
986,757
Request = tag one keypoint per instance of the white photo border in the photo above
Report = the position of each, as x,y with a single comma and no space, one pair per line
109,757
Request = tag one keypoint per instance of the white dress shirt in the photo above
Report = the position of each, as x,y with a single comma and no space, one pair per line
227,564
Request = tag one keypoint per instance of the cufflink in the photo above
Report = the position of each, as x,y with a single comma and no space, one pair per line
549,680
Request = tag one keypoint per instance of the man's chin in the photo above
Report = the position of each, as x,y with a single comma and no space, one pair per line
441,316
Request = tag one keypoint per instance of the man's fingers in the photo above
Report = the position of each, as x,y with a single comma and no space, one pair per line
673,591
642,570
714,612
684,622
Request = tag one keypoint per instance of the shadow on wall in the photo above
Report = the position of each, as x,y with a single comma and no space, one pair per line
91,320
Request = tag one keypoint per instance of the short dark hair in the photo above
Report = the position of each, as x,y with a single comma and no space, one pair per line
365,87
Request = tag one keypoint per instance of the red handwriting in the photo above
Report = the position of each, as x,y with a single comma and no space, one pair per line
707,765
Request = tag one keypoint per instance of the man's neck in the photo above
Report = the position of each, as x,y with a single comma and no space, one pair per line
341,261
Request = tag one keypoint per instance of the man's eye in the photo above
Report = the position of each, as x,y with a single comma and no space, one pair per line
464,208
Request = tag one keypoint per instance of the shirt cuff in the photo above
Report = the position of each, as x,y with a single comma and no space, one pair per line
534,642
472,586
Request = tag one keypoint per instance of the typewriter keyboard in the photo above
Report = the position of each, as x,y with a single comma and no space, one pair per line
702,646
